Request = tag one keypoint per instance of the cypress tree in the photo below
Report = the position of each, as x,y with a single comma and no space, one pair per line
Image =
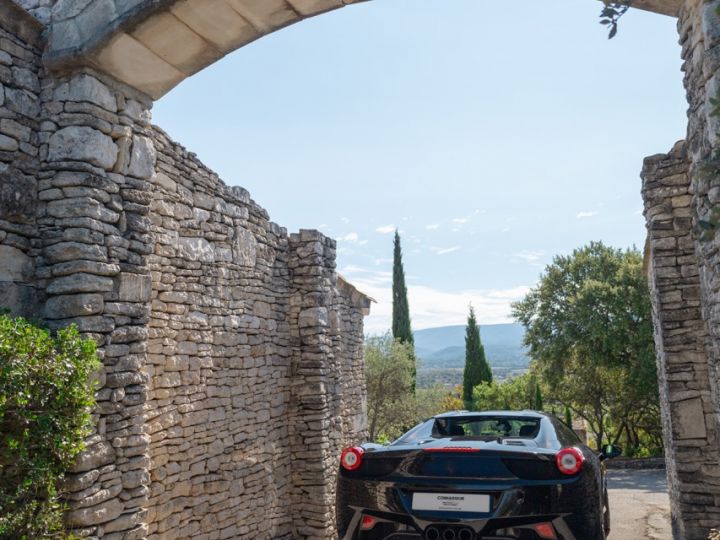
538,405
568,417
477,370
401,329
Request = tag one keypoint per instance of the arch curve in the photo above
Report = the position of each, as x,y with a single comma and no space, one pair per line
153,45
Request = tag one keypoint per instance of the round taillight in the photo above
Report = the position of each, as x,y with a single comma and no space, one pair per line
351,458
569,460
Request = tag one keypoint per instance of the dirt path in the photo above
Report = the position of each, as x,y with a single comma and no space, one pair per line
639,505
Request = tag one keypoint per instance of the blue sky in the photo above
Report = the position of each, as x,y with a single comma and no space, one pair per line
494,135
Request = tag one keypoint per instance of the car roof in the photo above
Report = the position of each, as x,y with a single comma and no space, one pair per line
514,414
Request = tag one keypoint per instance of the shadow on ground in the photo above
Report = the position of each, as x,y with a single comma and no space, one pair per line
651,480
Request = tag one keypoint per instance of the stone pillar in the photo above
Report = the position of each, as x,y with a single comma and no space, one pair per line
687,406
315,433
96,160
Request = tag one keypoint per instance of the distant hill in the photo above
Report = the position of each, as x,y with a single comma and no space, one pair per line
444,347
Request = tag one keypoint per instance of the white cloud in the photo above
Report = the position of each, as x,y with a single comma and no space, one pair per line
529,256
349,237
583,215
460,220
444,251
432,227
386,229
431,307
378,262
351,269
345,220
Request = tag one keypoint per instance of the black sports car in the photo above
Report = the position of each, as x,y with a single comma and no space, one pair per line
472,476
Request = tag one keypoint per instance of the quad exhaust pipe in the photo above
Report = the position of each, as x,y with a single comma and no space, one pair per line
442,532
466,534
449,534
432,533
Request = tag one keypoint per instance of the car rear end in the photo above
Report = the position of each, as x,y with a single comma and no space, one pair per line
474,490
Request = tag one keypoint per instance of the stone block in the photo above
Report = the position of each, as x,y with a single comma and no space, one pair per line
73,251
94,457
18,196
14,265
8,144
81,143
21,300
688,419
134,287
195,249
80,283
317,316
142,158
95,515
73,305
244,248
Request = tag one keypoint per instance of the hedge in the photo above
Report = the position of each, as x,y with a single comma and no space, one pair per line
46,395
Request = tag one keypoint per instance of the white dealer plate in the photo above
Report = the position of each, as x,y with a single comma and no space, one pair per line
451,502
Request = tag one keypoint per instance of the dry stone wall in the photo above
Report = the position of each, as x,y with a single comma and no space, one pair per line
20,72
688,409
204,427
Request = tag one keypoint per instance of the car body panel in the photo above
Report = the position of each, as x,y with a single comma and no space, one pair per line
519,474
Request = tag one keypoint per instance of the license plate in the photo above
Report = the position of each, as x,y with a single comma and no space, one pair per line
451,502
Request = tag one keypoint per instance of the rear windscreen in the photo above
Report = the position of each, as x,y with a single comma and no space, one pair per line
486,427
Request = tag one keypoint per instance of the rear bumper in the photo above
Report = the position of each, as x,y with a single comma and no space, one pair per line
515,509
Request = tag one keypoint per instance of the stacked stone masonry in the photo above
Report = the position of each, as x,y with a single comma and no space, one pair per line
688,410
232,351
204,427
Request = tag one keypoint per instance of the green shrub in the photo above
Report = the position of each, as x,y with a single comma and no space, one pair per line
46,394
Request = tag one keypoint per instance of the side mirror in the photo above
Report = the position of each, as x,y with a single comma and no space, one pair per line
610,451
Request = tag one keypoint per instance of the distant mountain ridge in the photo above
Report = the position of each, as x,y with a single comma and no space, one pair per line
444,347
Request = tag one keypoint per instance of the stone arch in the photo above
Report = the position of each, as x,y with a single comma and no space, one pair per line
153,45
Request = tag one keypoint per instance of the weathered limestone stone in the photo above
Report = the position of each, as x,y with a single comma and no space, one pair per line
73,305
8,144
72,251
18,196
95,515
94,457
689,419
142,158
134,287
317,316
14,265
80,283
244,247
195,249
83,87
80,143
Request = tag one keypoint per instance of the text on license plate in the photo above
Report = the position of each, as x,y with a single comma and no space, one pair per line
451,502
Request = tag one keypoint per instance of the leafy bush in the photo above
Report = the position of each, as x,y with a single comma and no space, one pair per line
46,394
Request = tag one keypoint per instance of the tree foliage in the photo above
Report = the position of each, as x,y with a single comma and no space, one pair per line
514,394
611,14
393,407
538,399
401,328
46,395
477,370
589,332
